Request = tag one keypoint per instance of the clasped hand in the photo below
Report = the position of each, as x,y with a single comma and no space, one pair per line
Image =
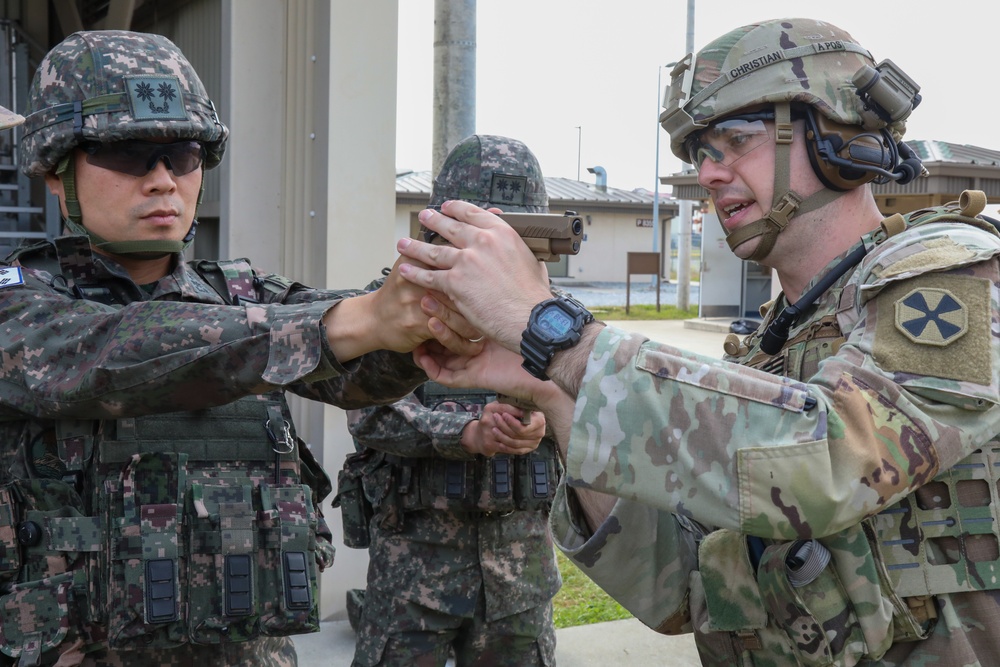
500,431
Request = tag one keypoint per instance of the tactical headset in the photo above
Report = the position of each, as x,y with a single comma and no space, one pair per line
844,158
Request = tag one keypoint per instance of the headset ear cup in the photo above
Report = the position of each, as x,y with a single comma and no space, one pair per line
828,174
839,153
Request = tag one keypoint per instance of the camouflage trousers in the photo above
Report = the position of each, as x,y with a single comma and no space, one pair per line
265,652
398,633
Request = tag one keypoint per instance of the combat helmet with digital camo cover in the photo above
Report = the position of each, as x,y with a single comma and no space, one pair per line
104,86
491,171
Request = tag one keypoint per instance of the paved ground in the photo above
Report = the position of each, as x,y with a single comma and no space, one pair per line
614,643
643,292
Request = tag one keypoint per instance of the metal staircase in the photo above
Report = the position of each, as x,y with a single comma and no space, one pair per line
21,219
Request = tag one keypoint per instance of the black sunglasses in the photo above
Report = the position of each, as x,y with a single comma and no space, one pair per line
138,158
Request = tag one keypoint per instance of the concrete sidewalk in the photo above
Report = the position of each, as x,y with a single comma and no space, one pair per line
614,643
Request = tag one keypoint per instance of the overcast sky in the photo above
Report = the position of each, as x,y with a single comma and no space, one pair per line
545,67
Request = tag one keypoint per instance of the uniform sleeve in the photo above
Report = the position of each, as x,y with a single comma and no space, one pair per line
640,556
911,392
408,428
66,357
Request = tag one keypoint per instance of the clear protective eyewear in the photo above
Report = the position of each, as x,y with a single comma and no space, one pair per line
726,141
138,158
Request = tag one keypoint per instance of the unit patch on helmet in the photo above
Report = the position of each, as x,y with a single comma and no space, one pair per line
508,189
935,325
10,276
156,98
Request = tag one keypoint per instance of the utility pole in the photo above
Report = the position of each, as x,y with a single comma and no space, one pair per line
664,262
579,145
684,236
454,76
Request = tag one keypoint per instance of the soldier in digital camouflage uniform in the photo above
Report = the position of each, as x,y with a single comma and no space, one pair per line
827,493
156,506
460,553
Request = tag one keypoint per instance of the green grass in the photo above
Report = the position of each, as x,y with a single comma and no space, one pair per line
644,312
580,601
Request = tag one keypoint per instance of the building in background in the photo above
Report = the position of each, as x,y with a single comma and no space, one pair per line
951,168
616,222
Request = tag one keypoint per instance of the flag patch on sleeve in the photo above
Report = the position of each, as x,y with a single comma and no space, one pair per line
10,276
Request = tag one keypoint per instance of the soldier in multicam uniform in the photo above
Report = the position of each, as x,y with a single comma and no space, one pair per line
461,558
156,505
827,493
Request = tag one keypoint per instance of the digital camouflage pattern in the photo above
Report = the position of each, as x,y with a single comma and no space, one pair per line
481,580
9,119
131,86
492,171
474,573
126,392
704,453
784,60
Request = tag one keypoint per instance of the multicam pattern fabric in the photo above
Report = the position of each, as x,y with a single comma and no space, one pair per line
481,581
82,378
131,86
814,65
492,171
724,472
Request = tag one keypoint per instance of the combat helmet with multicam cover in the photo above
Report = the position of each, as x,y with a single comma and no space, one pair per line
111,85
491,171
855,110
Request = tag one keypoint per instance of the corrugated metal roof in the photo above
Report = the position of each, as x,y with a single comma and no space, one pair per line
943,151
416,185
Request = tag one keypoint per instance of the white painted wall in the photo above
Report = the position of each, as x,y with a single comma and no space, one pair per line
310,98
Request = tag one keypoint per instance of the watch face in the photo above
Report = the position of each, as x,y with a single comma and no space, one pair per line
554,322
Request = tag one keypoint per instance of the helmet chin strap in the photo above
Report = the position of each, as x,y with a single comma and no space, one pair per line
788,203
154,249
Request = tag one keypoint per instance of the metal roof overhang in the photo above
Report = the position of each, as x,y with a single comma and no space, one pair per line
945,182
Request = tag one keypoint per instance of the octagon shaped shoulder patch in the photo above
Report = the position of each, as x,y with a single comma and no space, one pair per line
936,325
932,316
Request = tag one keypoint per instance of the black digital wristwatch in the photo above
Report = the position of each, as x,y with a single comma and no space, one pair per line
554,325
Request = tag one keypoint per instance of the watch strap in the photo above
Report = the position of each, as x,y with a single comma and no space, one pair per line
536,351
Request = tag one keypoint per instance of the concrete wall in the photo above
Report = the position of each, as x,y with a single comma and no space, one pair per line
309,191
360,203
609,237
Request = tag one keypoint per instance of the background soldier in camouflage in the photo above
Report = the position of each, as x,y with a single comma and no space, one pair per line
827,495
461,558
156,506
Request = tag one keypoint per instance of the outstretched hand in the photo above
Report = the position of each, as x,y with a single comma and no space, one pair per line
395,317
488,272
493,367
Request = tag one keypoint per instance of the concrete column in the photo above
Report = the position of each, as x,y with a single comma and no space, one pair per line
311,179
360,211
454,76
